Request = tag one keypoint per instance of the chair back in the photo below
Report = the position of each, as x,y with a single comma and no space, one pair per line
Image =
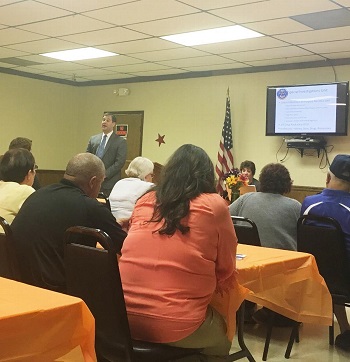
92,274
323,237
9,267
246,231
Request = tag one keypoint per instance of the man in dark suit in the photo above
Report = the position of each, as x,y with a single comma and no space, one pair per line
111,149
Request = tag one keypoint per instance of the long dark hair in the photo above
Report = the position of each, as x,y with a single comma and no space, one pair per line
188,173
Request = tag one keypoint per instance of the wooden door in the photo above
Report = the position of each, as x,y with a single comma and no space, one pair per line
132,123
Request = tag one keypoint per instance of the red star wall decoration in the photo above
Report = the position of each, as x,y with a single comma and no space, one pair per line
160,139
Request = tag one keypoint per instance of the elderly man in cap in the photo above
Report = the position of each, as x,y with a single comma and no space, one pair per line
334,201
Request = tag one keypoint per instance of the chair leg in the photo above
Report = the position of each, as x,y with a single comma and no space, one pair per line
294,335
297,335
268,335
331,333
244,352
331,328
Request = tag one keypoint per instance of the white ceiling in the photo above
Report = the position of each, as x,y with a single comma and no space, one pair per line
297,32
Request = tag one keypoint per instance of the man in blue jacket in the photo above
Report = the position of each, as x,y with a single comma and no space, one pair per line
334,201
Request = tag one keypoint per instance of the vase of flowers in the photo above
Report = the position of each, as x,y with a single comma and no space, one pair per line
234,180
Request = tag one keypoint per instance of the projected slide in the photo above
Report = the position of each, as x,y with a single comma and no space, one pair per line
307,109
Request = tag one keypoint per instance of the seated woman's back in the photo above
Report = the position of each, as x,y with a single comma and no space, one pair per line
180,248
275,215
126,191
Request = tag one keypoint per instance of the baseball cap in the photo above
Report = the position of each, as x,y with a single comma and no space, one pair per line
340,167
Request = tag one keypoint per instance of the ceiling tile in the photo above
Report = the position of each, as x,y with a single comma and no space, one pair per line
131,29
40,59
325,19
210,4
44,46
25,12
138,46
316,36
57,75
138,67
62,67
241,45
84,5
338,55
7,65
197,61
31,70
105,36
273,9
7,53
91,71
226,66
277,26
181,24
6,2
72,24
279,53
328,47
153,73
344,3
110,61
109,76
169,54
13,36
139,11
307,58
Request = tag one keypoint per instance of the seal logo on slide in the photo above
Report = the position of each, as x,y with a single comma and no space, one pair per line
282,93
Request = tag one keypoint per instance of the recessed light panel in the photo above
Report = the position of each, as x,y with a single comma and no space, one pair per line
210,36
79,54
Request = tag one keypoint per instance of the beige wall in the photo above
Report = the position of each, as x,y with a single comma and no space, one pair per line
45,112
186,111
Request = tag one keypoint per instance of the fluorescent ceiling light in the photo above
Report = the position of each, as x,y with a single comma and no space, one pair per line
210,36
79,54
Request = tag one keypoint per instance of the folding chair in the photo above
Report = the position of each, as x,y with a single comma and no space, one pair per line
93,275
323,237
9,267
246,231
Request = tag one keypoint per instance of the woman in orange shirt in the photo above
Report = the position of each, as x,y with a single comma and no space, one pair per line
180,248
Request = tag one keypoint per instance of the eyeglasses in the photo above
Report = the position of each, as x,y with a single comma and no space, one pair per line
35,167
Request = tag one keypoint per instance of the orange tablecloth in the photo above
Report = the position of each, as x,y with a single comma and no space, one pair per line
40,325
288,282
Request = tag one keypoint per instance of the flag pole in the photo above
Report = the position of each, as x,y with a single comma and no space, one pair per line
225,156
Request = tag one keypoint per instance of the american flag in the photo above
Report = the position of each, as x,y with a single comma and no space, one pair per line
225,157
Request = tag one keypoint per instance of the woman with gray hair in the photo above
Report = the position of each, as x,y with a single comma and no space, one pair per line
126,191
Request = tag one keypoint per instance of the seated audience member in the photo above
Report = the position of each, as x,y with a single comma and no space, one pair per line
334,201
39,227
126,191
274,214
248,168
17,168
180,248
26,143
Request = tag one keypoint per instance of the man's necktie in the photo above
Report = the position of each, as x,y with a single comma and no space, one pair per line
101,147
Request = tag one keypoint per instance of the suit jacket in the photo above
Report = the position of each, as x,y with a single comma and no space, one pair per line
114,158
